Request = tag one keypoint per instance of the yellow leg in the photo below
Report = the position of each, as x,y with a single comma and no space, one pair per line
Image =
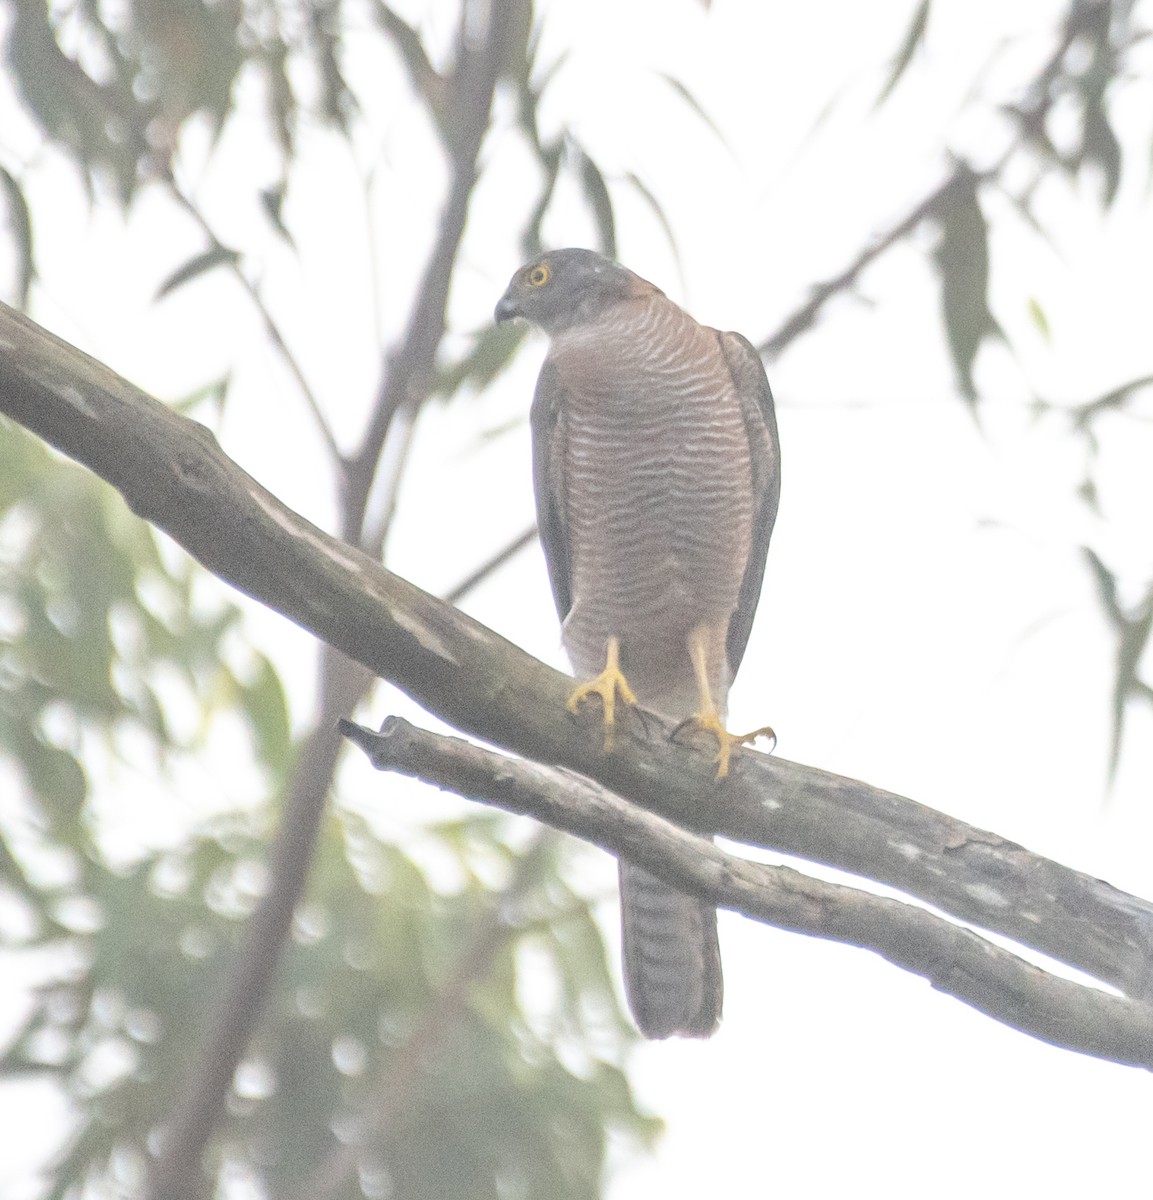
707,717
607,685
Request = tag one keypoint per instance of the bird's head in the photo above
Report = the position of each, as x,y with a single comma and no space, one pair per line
563,288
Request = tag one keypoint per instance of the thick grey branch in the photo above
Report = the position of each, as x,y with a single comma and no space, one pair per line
173,473
954,960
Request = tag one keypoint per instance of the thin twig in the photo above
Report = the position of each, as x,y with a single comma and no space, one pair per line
270,325
380,508
803,317
409,372
1031,116
476,578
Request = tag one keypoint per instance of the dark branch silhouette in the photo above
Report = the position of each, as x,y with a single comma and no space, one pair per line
172,472
953,959
407,376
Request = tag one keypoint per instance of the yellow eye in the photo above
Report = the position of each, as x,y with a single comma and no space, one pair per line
538,276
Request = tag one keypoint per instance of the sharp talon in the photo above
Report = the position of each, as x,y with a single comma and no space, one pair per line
711,723
645,725
607,685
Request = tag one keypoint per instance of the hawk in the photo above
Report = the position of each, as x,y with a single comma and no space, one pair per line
656,468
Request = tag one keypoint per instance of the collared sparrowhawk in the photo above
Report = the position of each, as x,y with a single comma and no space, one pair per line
656,468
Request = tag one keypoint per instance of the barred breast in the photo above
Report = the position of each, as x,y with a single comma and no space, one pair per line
658,495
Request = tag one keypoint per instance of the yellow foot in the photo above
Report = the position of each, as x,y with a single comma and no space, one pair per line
709,722
607,685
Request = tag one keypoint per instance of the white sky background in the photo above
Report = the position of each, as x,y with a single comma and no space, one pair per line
926,624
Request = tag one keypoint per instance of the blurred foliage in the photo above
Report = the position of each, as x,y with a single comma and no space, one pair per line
1071,93
1063,128
402,1021
962,259
485,1109
99,633
97,625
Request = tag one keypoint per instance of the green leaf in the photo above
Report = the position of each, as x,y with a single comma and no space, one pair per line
20,224
214,394
1087,491
1131,646
1132,631
14,879
58,780
272,205
265,707
1040,321
425,79
962,258
521,41
913,38
1100,146
102,124
492,349
217,256
530,238
1106,586
596,192
282,105
338,101
1112,400
695,105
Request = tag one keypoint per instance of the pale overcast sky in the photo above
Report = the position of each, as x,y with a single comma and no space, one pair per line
926,625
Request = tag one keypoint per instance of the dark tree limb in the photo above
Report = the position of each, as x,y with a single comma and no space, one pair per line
409,371
176,1171
172,472
953,959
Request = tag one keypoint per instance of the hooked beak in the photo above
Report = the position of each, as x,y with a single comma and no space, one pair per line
506,307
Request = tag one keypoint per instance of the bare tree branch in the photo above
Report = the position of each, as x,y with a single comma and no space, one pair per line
804,316
177,1173
172,472
954,960
1041,94
409,372
475,578
270,325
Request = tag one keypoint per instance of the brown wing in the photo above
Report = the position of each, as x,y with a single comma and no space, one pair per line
547,421
756,400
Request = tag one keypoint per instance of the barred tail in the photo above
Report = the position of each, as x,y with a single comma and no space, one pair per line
672,959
